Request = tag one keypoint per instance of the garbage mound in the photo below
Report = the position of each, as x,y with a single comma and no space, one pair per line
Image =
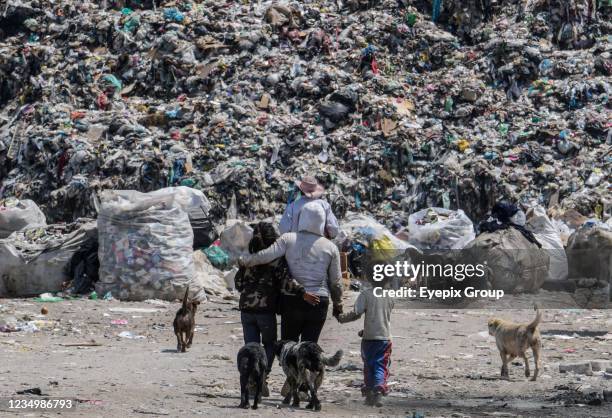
395,105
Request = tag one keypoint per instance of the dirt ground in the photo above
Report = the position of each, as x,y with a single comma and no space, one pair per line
443,363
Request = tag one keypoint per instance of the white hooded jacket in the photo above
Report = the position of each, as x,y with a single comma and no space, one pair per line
314,261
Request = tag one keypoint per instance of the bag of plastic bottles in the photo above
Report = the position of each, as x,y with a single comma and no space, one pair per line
145,245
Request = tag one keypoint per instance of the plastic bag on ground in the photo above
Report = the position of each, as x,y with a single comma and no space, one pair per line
197,206
547,235
379,237
207,279
235,238
440,229
217,257
16,215
190,200
514,264
589,252
145,246
27,270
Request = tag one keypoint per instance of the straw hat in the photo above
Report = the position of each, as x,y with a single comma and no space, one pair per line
310,187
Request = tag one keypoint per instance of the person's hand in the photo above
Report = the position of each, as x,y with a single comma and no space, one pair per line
241,262
311,298
337,311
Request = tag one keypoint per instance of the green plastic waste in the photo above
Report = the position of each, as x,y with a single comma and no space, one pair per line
411,19
48,299
448,104
217,256
114,81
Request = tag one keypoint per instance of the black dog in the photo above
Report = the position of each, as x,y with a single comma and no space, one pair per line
184,322
304,363
252,365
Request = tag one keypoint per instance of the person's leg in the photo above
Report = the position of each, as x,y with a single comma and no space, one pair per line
383,363
379,359
291,328
267,325
368,358
250,330
292,319
314,320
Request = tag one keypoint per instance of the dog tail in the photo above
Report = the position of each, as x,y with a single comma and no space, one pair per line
333,360
186,298
533,325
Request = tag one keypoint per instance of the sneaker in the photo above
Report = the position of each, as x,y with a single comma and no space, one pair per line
368,398
377,399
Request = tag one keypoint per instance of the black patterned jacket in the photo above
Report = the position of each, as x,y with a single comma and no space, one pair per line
260,287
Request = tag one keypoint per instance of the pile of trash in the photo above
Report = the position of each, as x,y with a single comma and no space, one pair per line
395,105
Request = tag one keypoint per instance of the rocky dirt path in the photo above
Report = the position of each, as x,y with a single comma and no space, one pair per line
444,363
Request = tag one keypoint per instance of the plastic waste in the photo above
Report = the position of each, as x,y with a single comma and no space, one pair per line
438,228
145,246
217,257
16,215
548,236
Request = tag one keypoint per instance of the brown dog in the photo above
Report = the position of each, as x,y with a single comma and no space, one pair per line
184,323
513,340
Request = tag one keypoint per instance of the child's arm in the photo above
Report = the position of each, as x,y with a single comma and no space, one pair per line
358,309
343,318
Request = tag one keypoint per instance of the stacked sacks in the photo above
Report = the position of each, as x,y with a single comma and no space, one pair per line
366,241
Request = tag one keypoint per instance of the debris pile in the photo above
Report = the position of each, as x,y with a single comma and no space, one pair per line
396,105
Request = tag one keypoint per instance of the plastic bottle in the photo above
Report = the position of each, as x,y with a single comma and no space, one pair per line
448,104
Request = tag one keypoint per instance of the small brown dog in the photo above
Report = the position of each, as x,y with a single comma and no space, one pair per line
184,322
513,340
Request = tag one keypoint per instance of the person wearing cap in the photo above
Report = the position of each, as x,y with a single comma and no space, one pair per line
314,262
311,192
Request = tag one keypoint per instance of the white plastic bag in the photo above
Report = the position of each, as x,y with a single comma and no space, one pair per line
235,238
16,215
547,235
357,224
145,245
190,200
36,269
513,263
440,229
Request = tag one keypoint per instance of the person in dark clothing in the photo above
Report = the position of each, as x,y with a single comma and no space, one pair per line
301,320
260,289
